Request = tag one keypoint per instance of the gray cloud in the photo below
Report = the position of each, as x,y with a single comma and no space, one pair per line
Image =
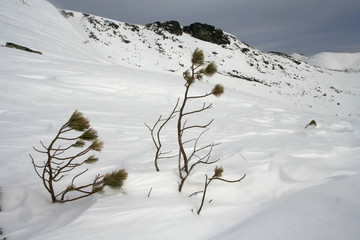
307,26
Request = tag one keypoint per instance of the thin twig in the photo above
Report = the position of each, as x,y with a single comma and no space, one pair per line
195,193
149,192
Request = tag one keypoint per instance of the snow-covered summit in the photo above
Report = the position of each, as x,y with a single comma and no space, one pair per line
138,46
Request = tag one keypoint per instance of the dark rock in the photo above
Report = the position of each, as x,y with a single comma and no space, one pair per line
172,27
284,55
207,33
280,54
236,74
111,24
19,47
245,50
132,27
67,14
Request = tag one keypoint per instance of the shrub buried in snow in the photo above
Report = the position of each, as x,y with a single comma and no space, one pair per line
189,159
61,160
218,171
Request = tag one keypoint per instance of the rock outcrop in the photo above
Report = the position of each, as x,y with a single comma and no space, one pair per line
207,33
172,27
19,47
197,30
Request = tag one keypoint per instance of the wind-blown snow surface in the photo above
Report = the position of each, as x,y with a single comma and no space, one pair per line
300,183
335,61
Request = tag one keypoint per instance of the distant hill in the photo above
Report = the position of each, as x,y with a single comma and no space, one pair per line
333,61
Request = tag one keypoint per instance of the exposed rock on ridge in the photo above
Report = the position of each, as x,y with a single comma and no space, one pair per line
207,33
197,30
172,27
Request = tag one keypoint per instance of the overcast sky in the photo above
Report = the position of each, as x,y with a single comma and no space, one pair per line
301,26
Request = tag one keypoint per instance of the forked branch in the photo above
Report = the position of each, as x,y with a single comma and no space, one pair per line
156,137
217,176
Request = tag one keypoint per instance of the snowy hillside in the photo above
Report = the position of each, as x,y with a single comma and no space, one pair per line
335,61
153,47
301,183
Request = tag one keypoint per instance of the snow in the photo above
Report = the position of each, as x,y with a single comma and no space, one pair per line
335,61
300,183
313,213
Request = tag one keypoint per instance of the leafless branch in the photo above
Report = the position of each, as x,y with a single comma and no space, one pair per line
149,192
157,140
39,150
199,110
215,177
200,96
197,126
195,193
204,194
230,181
72,182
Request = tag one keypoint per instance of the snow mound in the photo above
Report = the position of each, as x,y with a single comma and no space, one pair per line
334,61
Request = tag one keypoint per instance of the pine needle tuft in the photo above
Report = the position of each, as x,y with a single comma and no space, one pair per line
198,57
78,122
79,144
210,69
97,146
115,179
89,135
92,159
218,171
218,90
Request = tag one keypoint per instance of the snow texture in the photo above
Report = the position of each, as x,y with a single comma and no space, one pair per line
335,61
300,184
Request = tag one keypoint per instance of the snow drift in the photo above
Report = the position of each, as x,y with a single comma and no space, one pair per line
300,183
335,61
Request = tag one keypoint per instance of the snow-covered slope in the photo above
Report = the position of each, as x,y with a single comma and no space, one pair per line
335,61
38,25
279,75
300,183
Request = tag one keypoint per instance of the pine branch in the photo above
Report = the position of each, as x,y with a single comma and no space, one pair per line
230,181
197,126
204,194
56,168
200,110
195,193
36,166
201,96
157,140
72,182
217,176
39,150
